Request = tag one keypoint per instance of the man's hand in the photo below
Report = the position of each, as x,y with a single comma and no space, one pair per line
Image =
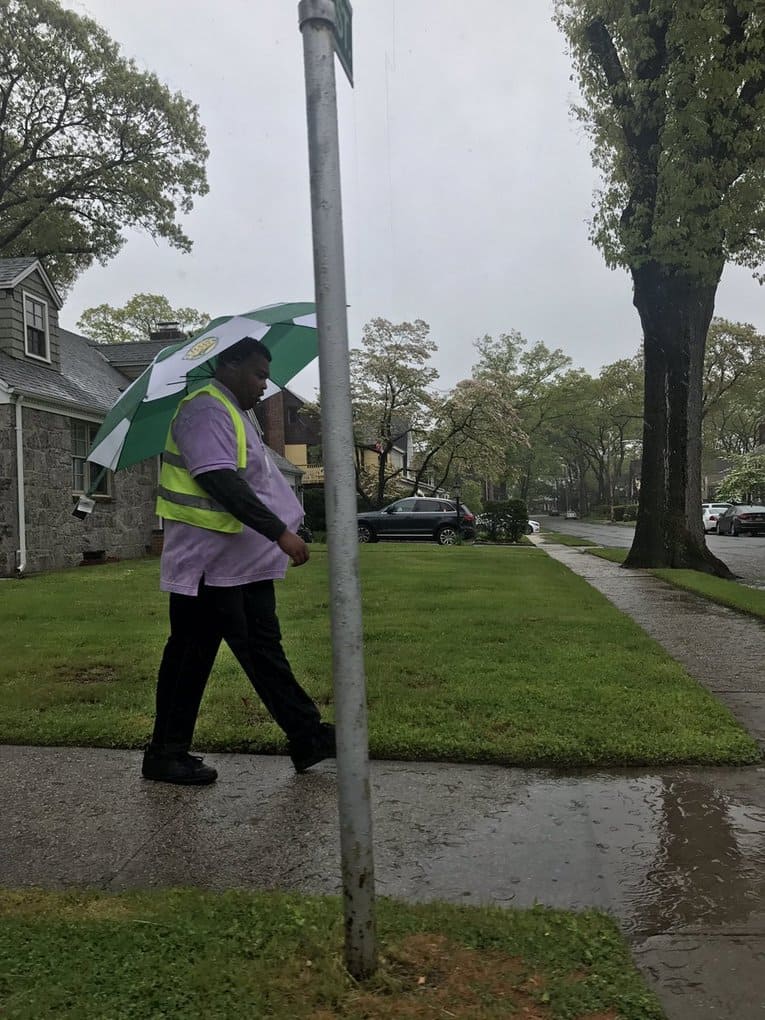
294,546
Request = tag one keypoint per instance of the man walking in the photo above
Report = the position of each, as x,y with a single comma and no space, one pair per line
230,530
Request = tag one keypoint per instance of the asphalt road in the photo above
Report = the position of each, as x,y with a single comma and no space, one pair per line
744,556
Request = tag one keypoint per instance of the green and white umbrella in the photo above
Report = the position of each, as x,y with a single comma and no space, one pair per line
136,427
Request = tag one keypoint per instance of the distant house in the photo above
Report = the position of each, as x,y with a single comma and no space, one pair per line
295,432
293,436
55,390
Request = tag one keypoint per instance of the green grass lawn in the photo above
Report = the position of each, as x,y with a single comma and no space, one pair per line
558,538
201,956
615,555
472,654
727,593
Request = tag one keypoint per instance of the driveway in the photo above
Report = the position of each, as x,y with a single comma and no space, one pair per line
744,556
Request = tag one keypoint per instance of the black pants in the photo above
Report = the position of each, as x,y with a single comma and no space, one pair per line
245,618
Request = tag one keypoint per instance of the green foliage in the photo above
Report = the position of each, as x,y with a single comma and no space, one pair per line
618,512
470,494
734,381
526,375
592,425
627,512
89,144
315,512
395,405
745,481
507,519
136,319
390,389
674,101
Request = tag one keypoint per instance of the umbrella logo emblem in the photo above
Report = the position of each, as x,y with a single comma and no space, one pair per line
200,348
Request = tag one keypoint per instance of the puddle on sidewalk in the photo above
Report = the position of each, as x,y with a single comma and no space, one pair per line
663,853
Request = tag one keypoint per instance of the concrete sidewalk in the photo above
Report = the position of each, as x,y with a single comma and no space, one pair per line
677,856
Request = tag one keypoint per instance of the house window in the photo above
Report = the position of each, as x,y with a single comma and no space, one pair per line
36,339
84,473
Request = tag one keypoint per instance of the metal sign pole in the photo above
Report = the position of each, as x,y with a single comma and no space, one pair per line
317,21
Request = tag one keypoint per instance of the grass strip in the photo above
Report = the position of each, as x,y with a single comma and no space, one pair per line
206,956
716,589
614,555
727,593
472,655
558,538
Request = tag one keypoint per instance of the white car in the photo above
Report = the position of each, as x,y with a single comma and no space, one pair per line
571,515
710,513
534,527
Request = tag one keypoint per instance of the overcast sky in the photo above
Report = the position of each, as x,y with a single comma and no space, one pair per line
467,186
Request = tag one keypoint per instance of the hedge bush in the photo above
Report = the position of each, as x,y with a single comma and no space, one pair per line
506,519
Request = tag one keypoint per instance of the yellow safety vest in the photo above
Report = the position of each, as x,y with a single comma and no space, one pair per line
179,497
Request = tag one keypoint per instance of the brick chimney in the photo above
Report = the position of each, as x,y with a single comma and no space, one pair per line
270,414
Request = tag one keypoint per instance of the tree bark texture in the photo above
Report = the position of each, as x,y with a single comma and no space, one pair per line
675,312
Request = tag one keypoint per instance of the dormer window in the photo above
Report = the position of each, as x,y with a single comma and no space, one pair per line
36,338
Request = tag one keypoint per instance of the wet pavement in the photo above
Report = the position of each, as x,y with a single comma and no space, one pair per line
744,555
676,855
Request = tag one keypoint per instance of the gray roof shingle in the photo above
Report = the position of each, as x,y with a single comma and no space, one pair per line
11,269
86,379
141,352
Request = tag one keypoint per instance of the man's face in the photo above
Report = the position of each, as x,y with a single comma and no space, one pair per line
253,375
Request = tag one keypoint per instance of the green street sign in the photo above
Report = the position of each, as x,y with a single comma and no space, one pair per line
343,43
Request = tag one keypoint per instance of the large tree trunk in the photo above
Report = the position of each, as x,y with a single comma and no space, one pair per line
675,312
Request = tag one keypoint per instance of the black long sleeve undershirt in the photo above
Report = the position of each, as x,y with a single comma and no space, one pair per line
234,494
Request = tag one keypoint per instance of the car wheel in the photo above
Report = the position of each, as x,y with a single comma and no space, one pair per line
446,535
734,529
365,534
717,530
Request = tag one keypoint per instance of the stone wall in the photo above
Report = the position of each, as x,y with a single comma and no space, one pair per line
120,526
8,536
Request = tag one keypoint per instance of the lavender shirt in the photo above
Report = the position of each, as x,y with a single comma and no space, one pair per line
205,437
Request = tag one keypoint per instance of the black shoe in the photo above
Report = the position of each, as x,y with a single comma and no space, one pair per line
179,767
318,747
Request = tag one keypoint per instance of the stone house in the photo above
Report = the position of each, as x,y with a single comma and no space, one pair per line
55,389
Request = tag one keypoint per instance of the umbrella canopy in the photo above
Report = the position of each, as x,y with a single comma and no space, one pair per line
136,427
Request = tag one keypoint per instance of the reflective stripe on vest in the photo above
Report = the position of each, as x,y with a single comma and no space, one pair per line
179,496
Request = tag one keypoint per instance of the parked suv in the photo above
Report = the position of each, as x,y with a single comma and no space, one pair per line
417,517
